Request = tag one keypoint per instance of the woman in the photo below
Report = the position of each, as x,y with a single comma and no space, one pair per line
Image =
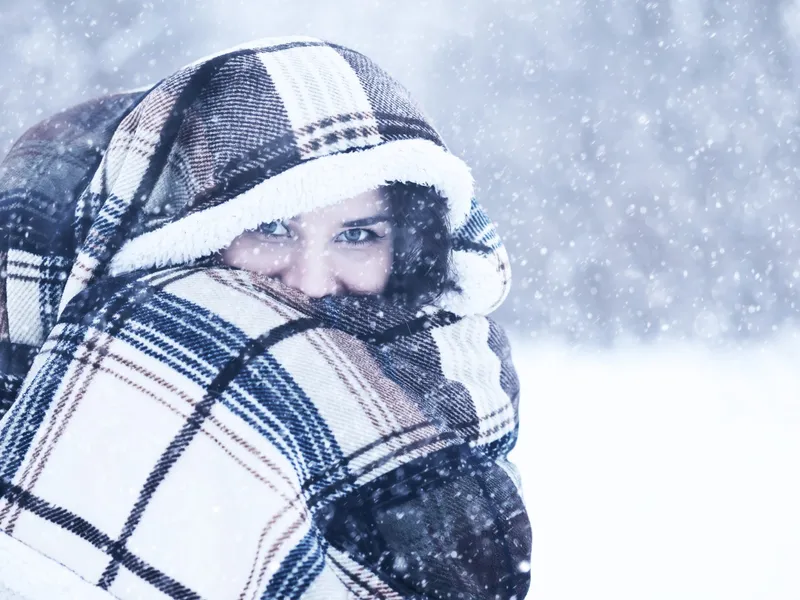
390,241
245,344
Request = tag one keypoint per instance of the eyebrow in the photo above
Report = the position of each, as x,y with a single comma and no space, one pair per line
367,221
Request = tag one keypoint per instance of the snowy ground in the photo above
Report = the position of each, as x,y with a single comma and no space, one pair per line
656,473
662,472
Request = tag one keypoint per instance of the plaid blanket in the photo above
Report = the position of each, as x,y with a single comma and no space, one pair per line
173,173
160,408
208,433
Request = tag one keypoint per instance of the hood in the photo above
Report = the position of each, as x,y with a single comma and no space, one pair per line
265,131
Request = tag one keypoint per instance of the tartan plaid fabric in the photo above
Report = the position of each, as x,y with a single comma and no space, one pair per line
169,175
208,433
41,226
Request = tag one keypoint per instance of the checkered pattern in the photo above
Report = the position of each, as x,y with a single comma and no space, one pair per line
267,131
209,433
204,433
41,225
169,175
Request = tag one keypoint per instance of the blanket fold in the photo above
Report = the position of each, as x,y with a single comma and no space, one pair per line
209,433
171,428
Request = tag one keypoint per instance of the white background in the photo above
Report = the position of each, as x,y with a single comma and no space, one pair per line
662,473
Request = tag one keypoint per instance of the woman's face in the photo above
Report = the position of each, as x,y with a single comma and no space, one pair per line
341,249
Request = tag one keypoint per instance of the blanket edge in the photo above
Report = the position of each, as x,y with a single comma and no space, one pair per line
30,575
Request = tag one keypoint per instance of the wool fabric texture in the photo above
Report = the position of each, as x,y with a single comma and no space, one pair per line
208,433
179,430
168,175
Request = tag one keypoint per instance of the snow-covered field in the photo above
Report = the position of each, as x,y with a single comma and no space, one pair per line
663,472
660,473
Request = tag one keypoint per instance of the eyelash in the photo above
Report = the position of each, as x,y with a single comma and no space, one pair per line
263,229
371,235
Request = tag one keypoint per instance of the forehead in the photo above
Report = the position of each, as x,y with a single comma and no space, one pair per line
358,207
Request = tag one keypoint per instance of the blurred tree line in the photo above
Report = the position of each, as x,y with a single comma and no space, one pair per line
639,156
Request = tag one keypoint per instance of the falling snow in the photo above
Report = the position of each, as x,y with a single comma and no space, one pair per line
641,160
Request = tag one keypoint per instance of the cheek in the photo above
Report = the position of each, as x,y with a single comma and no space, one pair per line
365,270
254,255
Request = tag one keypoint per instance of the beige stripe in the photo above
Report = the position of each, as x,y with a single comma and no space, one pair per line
322,341
45,445
378,418
387,436
273,550
318,346
344,564
261,457
34,470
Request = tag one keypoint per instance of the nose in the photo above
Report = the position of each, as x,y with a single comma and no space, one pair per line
309,271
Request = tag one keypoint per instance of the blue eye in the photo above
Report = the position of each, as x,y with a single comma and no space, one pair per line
273,228
357,236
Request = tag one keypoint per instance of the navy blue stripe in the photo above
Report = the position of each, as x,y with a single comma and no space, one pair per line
54,273
500,346
471,246
454,432
309,434
201,349
248,172
158,159
374,593
54,514
298,569
335,469
190,429
410,328
345,484
271,49
392,132
28,412
91,534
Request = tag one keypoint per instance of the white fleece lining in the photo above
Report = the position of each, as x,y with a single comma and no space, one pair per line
311,185
483,285
30,575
